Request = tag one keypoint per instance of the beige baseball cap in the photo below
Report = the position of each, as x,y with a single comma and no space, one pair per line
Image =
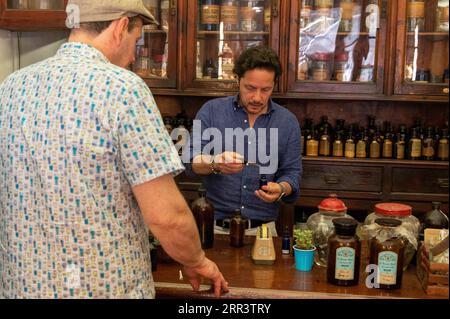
109,10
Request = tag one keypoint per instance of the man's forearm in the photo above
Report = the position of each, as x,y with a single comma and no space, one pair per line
201,165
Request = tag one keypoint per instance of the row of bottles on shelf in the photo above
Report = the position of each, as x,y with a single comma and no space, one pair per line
36,4
374,141
418,13
219,68
320,15
234,15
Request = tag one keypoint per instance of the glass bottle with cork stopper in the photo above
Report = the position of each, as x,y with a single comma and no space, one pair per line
344,253
237,229
203,212
386,252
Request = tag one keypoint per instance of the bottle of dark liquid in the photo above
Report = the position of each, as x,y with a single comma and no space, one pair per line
210,71
325,142
428,145
400,143
209,15
388,255
415,145
435,218
312,142
371,127
203,212
262,181
286,242
237,229
324,123
442,154
344,253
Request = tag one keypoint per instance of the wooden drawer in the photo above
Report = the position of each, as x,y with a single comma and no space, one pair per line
419,180
343,178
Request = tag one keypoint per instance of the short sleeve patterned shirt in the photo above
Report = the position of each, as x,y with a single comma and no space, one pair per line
76,134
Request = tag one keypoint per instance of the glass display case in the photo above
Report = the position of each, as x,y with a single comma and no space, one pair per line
32,15
422,65
156,51
339,46
218,33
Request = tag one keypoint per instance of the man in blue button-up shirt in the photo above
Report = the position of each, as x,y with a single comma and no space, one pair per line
238,139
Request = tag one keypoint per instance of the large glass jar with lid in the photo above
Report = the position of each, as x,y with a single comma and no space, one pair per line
409,229
321,223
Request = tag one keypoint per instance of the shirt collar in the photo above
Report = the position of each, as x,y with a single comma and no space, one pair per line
235,104
77,49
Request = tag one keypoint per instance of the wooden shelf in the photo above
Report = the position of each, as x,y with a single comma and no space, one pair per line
425,34
374,161
233,33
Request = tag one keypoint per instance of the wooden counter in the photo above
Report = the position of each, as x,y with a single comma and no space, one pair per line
280,280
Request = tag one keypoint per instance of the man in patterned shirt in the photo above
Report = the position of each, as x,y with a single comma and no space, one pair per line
86,166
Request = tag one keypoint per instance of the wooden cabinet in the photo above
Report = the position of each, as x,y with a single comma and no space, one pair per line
32,15
421,53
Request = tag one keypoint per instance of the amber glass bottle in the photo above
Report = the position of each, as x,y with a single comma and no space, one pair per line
344,253
203,212
325,143
388,255
375,145
387,145
312,143
415,146
209,15
361,145
443,146
338,146
237,229
400,143
350,144
428,145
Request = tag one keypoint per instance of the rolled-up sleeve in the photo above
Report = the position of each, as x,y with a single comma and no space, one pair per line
290,167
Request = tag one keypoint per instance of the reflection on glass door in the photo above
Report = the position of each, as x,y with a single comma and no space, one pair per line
35,4
225,28
426,54
338,40
152,50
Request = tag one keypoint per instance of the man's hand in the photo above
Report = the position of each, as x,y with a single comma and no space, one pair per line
209,270
269,193
229,162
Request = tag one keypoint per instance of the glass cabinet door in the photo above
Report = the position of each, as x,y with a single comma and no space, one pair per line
337,46
32,15
218,32
422,65
35,4
156,51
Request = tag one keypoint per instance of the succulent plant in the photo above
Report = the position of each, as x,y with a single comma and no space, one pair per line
303,238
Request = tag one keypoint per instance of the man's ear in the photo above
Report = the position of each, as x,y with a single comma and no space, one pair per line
119,27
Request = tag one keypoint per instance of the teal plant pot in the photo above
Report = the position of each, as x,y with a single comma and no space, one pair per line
304,259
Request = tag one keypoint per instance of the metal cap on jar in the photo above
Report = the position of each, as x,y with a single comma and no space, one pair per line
333,204
389,222
393,209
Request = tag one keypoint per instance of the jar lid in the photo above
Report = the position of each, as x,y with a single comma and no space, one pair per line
345,226
390,222
321,56
393,209
333,204
341,56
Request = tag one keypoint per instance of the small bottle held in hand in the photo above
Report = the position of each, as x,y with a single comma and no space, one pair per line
262,181
286,242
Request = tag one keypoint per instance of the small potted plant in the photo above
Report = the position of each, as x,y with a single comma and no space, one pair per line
304,249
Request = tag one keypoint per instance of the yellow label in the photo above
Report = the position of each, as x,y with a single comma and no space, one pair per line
210,14
338,149
361,149
312,148
374,150
428,151
416,148
229,14
443,149
400,151
324,3
347,10
324,148
267,16
387,149
320,75
416,9
350,150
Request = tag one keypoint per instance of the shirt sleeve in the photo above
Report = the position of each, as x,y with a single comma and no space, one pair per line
146,149
290,169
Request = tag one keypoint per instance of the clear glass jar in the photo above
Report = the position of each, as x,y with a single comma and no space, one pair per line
321,67
321,223
410,225
342,72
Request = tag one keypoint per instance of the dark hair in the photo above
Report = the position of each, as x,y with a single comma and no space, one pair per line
99,27
260,57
